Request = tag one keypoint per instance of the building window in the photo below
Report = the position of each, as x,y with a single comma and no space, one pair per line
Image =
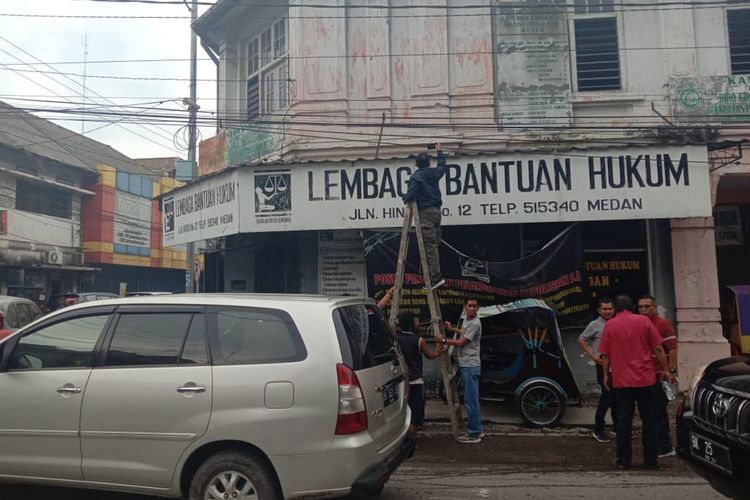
38,198
253,98
738,25
597,53
253,62
593,6
279,38
267,72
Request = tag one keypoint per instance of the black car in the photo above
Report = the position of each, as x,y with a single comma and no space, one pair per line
713,426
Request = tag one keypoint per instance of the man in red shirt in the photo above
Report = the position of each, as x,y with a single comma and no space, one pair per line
647,307
628,343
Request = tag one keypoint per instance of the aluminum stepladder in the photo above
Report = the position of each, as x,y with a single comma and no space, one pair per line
446,369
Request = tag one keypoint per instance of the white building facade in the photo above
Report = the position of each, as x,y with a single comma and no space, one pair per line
307,88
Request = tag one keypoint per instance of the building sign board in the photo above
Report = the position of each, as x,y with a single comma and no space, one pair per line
341,263
711,99
248,143
728,226
132,220
204,209
533,66
634,183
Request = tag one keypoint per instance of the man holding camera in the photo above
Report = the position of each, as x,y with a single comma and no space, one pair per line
424,189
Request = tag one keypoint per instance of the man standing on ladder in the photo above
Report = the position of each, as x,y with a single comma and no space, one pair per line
424,188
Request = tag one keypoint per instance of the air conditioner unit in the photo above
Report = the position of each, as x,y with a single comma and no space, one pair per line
55,256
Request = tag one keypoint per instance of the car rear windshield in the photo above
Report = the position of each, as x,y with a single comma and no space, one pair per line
365,337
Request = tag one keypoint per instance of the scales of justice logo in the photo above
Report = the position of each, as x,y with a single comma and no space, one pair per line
169,215
273,194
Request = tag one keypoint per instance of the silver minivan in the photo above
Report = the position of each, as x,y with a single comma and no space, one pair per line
206,397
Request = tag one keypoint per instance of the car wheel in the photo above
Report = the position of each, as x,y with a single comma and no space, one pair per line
541,405
234,475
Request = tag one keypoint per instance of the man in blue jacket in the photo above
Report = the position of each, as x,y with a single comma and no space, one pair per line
423,187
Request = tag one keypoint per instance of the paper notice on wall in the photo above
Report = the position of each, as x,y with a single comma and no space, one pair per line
341,263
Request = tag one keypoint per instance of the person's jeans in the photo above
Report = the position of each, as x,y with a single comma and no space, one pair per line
662,423
606,402
626,398
429,218
470,379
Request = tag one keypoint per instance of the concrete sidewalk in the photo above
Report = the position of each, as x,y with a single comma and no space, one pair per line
507,413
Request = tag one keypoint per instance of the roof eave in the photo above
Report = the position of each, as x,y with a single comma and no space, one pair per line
215,14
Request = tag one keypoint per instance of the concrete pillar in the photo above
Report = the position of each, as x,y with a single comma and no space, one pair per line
661,279
696,286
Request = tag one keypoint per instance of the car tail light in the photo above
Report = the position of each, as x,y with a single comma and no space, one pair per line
352,417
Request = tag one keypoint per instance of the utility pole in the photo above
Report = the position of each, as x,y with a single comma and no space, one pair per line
83,96
190,284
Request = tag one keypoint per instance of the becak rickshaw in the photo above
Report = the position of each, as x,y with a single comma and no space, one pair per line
523,359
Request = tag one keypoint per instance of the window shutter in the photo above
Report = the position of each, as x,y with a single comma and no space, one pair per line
738,23
597,54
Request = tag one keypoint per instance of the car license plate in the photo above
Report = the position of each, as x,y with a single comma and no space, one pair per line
710,452
390,392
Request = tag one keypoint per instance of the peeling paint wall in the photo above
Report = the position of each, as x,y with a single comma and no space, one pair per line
488,63
533,65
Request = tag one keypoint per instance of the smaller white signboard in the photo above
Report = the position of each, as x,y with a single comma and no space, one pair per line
132,220
207,209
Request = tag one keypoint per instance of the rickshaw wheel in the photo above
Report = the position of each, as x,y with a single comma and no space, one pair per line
541,405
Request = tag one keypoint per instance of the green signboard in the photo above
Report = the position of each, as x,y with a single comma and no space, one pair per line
711,99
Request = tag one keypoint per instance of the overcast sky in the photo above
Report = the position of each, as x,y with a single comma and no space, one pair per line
56,40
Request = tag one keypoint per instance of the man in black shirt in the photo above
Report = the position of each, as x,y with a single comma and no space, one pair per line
413,348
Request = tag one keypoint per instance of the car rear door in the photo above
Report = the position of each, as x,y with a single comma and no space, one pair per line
375,358
149,396
268,391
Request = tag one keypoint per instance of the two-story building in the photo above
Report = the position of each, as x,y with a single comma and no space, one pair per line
627,119
77,215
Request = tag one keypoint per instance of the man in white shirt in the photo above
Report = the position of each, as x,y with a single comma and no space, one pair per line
589,342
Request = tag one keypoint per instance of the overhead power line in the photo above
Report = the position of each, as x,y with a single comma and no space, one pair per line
520,8
326,121
356,56
502,5
73,90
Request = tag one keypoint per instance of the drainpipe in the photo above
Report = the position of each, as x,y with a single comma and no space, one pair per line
215,59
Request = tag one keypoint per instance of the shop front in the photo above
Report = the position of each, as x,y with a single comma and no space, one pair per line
304,228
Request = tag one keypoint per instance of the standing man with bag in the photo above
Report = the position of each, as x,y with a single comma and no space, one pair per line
424,189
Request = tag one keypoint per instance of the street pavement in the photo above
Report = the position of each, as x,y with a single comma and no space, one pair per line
511,463
420,483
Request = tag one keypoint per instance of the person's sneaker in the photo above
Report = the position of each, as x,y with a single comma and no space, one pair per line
437,284
466,439
611,434
601,437
667,454
620,465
